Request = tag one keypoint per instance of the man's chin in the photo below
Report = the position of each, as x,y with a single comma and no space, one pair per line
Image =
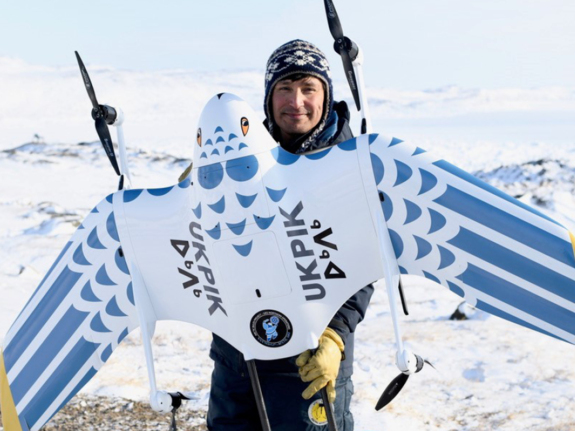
298,132
297,128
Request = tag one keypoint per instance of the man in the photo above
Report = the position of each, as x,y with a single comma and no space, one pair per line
301,116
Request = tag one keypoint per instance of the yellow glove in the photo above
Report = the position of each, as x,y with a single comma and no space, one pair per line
321,368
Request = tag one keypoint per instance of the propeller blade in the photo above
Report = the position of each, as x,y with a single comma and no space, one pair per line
106,139
98,114
391,391
88,83
343,46
350,75
178,397
402,297
333,20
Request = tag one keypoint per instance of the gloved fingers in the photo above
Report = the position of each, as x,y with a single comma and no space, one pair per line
322,363
330,334
331,391
309,365
325,354
314,387
315,373
303,358
312,374
329,347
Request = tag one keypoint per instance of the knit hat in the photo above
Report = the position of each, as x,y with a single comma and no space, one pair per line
296,57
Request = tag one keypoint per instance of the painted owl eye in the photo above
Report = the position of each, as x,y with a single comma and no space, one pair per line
245,125
199,137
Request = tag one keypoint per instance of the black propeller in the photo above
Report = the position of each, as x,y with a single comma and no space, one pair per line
177,398
345,47
102,115
398,383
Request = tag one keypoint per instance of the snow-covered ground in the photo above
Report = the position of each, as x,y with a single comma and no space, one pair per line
490,373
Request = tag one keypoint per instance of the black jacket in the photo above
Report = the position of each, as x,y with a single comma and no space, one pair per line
345,320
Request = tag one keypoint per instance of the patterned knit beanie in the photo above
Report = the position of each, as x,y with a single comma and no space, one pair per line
296,57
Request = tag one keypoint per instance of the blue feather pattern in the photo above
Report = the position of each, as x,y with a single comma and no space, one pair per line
62,338
496,252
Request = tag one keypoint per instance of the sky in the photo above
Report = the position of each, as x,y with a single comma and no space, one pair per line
412,44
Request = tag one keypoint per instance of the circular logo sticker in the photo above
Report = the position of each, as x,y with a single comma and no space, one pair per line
271,328
317,414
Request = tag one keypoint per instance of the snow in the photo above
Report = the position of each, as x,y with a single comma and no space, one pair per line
162,107
490,374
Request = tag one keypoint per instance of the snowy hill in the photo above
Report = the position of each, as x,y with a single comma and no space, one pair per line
162,107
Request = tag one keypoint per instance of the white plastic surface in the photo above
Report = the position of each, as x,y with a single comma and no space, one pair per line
288,269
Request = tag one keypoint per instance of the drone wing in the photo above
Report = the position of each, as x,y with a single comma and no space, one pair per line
77,316
499,254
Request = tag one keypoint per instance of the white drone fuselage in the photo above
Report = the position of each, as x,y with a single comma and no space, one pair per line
235,245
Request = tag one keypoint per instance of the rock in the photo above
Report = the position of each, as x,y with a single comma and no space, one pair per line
87,412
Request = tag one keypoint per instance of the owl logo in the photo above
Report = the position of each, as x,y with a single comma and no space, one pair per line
271,328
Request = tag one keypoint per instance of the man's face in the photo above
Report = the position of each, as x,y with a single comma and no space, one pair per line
297,106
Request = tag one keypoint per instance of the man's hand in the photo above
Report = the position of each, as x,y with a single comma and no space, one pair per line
321,368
